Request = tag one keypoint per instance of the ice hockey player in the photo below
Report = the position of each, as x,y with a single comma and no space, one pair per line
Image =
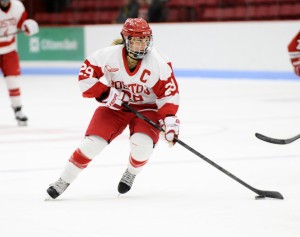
294,52
132,71
13,17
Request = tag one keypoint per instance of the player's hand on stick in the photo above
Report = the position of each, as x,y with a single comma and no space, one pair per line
30,27
115,99
171,127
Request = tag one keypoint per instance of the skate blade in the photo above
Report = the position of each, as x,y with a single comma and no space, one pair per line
48,198
22,123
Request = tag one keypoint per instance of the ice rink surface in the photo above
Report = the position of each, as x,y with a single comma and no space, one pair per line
177,194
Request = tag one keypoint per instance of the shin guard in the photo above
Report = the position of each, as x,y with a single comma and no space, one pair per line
141,147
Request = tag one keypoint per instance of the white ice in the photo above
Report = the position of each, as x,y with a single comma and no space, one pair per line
177,194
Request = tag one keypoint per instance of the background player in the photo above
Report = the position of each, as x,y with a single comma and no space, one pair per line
13,17
294,52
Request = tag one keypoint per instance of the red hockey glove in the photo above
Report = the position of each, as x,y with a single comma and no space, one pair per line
297,70
115,99
171,127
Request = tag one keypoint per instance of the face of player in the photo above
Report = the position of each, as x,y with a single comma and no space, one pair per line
4,3
138,46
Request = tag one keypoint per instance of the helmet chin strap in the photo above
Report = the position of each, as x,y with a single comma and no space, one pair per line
136,59
132,57
129,55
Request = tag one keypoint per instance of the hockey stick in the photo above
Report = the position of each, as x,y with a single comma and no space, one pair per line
13,33
277,141
261,193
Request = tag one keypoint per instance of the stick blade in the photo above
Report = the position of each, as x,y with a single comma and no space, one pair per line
270,194
270,139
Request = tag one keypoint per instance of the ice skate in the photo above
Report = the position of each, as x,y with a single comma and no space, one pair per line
20,116
126,182
57,188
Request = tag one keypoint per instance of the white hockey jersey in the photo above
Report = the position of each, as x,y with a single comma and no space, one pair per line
152,85
10,21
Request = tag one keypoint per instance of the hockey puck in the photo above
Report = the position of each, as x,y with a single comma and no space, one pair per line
259,197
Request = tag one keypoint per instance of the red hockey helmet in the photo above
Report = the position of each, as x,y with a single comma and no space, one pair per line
136,27
137,36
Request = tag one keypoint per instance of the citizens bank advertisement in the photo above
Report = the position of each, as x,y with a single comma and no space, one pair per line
52,44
